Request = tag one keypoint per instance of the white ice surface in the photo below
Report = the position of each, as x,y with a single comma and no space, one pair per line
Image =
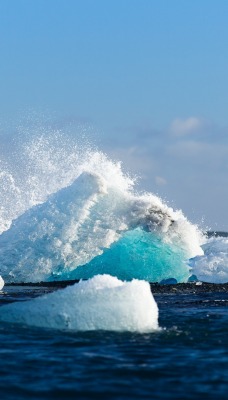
1,283
213,265
103,302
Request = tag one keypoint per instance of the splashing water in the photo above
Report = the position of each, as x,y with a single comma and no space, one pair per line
76,214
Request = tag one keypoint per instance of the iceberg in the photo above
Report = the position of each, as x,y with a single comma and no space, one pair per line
101,303
1,283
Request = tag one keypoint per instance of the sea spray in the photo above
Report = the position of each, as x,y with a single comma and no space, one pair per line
78,215
39,165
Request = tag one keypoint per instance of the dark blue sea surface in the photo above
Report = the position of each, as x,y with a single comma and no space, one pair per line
187,359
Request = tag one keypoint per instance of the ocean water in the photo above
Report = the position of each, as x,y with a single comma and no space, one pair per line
68,212
187,358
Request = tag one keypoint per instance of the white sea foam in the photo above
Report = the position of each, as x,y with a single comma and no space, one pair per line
103,302
213,265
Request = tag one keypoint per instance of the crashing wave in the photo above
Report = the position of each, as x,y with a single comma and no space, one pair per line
96,225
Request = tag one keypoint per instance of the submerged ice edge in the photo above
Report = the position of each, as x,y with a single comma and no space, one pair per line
101,303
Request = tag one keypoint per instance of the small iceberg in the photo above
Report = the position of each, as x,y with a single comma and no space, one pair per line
213,265
2,283
103,302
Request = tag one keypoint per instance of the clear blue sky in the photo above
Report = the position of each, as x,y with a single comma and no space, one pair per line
150,75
